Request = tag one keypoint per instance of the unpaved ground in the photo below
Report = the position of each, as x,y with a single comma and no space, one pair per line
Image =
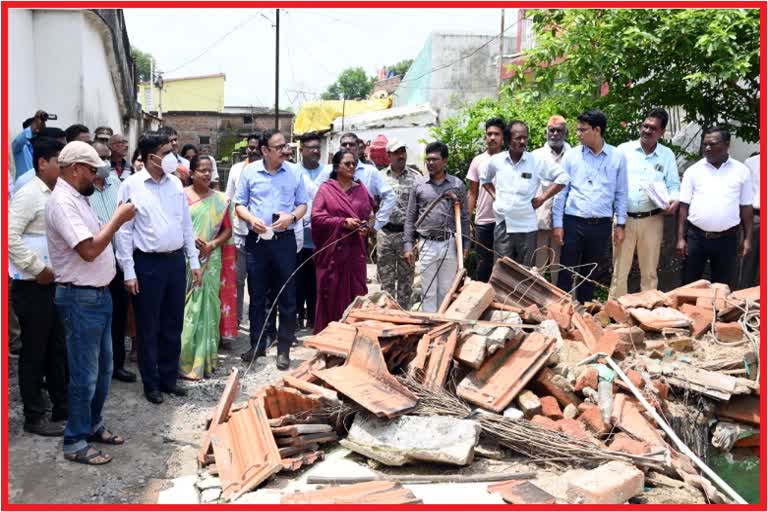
162,440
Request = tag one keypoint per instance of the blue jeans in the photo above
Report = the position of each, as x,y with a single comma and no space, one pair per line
87,317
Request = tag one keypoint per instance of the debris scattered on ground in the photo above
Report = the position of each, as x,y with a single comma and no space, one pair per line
513,364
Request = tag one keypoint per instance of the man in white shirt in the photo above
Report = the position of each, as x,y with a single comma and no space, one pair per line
749,265
477,196
648,162
43,346
715,201
547,251
239,228
151,250
517,175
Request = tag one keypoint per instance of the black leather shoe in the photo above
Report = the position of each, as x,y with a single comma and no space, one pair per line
58,416
124,375
252,354
283,361
154,396
176,390
45,428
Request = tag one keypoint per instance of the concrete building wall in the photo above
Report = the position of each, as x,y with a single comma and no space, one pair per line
64,62
205,93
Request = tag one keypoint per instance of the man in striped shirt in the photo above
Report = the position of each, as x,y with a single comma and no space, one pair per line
103,203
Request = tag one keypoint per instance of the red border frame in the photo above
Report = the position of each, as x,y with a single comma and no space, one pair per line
761,6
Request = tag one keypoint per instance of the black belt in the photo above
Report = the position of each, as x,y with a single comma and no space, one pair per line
277,235
80,287
165,254
437,237
714,235
592,220
393,228
642,215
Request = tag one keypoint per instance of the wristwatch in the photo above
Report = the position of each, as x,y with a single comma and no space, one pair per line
293,216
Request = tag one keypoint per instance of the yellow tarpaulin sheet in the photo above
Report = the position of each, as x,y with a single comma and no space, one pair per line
318,115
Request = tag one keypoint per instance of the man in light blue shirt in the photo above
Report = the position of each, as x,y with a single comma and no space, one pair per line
271,199
368,175
22,144
517,175
584,210
647,162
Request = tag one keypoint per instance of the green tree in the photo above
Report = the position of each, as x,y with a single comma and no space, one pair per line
401,67
143,63
703,60
352,84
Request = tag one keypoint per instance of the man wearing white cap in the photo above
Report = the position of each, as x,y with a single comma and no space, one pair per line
84,264
395,275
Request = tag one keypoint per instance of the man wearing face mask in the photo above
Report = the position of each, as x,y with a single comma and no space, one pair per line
240,228
182,164
151,250
104,203
84,265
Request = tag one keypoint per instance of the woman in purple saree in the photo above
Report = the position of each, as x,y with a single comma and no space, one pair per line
341,212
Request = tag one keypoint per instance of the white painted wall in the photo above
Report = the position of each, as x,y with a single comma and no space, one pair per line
59,62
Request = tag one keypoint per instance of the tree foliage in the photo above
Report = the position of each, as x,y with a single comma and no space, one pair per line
401,67
143,63
352,84
703,60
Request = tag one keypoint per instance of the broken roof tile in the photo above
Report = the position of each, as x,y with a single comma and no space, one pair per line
440,359
245,451
515,285
659,318
506,372
378,492
220,414
521,492
648,299
365,379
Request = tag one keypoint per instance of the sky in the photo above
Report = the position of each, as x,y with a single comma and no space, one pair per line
315,44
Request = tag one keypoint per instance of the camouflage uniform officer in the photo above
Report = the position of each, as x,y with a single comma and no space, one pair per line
395,274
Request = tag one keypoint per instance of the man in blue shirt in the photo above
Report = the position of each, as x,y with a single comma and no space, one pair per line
648,162
310,169
584,210
270,199
22,144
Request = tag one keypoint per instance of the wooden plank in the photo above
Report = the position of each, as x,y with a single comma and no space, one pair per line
506,373
288,451
308,387
472,302
301,429
306,440
455,284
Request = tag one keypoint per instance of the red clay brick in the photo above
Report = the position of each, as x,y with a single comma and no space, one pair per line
616,311
587,378
543,421
550,408
701,318
591,417
572,428
730,331
625,444
635,378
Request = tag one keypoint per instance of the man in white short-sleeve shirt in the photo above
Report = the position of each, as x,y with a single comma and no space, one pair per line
715,200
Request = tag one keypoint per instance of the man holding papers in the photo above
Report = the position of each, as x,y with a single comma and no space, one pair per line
654,184
43,347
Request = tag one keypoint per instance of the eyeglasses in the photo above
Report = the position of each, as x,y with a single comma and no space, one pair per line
348,144
311,148
91,168
278,148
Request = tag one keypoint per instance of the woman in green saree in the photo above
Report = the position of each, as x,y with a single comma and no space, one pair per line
210,213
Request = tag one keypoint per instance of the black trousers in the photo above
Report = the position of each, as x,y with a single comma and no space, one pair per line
720,252
43,350
119,317
484,236
306,286
749,265
159,309
585,242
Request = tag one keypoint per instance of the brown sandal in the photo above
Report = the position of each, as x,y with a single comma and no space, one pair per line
89,455
104,436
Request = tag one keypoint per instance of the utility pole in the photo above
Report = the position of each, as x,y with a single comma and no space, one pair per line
501,54
277,68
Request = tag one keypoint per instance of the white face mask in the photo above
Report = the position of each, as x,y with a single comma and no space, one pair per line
169,163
